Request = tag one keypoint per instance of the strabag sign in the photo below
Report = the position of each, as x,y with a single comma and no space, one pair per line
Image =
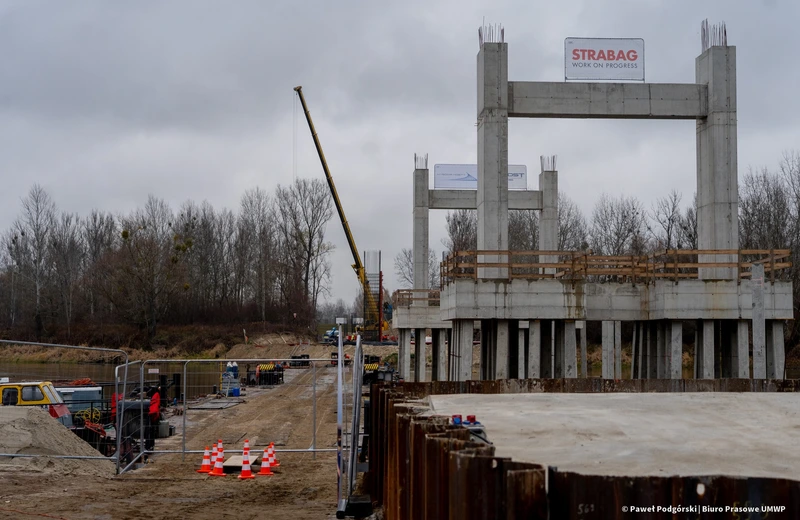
465,176
604,59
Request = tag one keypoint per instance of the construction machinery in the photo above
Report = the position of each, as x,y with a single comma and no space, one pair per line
374,321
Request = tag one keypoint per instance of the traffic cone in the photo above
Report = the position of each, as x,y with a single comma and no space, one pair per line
273,461
218,470
265,464
246,473
246,447
206,466
214,454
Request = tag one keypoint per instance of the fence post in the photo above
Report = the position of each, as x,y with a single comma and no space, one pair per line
314,411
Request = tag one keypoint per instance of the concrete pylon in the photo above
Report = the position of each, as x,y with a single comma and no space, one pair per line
492,196
421,232
717,166
548,217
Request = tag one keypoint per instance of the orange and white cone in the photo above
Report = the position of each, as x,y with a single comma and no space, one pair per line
246,448
214,453
246,473
273,461
206,466
265,464
218,470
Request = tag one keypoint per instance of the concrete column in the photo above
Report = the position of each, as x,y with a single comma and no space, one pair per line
675,349
652,350
742,365
404,354
535,349
717,169
776,357
618,350
661,340
462,337
759,323
439,365
558,352
420,243
548,217
420,355
584,360
608,349
547,348
522,348
642,372
502,341
706,347
492,196
570,351
634,351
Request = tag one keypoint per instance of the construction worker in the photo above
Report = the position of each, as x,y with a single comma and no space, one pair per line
155,406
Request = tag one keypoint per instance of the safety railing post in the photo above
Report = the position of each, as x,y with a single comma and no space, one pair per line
314,411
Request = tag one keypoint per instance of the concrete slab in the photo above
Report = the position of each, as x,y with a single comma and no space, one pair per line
641,434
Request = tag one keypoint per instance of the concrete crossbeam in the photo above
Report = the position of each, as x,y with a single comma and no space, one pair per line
562,300
468,199
607,100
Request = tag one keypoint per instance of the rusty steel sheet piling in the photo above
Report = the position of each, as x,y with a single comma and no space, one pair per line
423,467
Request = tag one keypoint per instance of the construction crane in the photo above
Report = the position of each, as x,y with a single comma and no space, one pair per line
358,265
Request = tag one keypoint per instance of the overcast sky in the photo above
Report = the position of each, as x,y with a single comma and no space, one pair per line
104,102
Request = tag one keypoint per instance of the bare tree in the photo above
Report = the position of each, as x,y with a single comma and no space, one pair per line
99,235
687,227
523,230
666,217
67,253
404,268
618,226
30,245
573,231
462,231
258,218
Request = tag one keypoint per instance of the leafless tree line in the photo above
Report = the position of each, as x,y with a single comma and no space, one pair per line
265,262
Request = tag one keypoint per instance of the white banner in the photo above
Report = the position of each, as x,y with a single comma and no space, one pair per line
604,59
465,176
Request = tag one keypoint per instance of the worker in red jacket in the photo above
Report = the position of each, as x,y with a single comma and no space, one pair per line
155,406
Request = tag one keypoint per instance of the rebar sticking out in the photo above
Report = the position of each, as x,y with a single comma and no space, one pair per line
713,35
548,162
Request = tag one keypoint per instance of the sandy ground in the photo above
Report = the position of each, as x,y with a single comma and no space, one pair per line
647,434
167,487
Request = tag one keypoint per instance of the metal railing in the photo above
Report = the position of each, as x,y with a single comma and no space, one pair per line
672,264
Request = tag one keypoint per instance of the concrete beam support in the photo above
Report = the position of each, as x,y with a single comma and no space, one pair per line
608,349
502,341
742,350
535,349
468,199
421,227
547,348
522,349
548,218
584,360
661,350
559,359
652,350
607,100
717,169
704,360
776,356
404,353
461,362
618,350
439,365
492,197
675,349
570,351
420,355
759,324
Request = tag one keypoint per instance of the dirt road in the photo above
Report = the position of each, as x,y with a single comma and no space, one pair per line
167,487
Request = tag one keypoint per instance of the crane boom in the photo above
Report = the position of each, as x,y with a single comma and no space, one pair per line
358,266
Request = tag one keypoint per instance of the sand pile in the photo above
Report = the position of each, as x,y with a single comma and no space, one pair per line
31,430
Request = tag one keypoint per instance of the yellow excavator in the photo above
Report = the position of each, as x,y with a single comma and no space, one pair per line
374,321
